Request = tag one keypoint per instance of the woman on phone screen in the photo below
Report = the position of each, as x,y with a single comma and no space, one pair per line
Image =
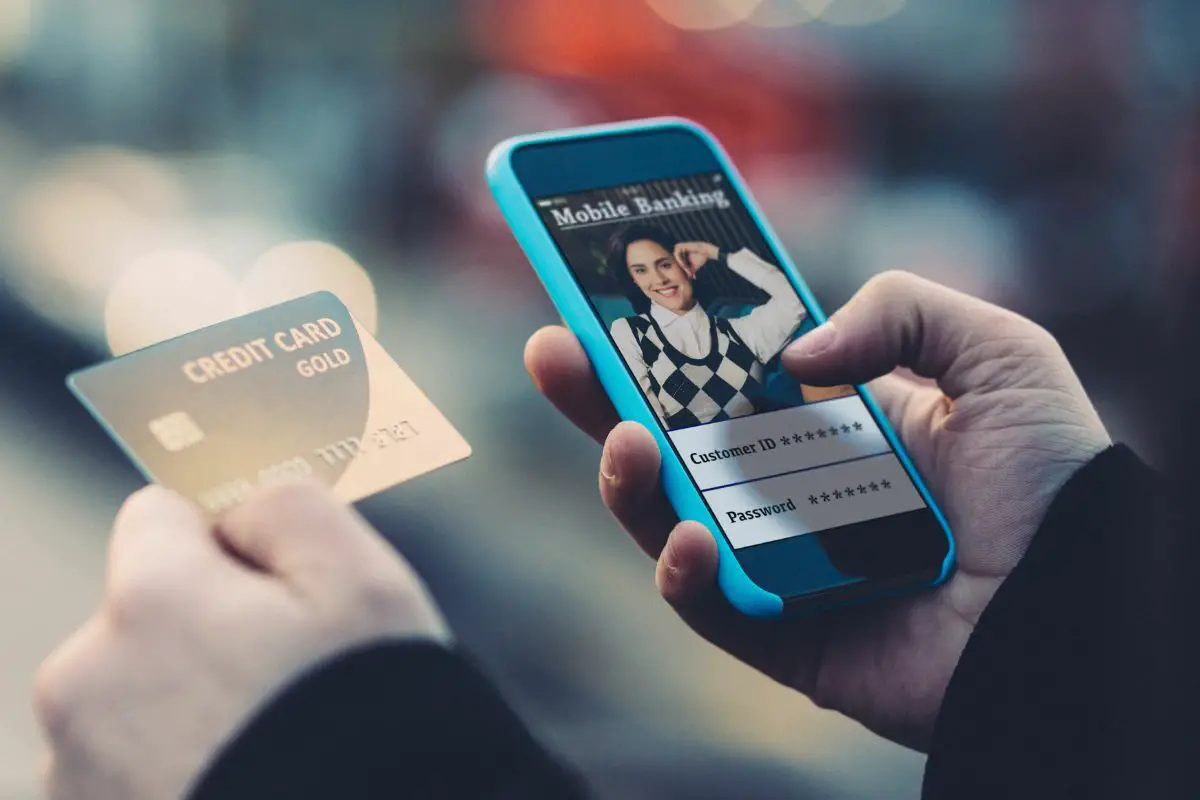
694,367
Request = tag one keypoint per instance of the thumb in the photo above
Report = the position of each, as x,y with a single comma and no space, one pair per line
900,320
301,534
687,566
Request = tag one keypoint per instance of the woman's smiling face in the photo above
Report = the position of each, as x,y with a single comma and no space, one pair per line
659,276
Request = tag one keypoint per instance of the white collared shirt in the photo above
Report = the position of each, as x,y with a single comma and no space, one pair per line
765,330
688,333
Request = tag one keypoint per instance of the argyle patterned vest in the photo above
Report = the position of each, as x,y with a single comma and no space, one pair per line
725,384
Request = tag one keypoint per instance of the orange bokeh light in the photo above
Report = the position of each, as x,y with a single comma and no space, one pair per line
584,38
631,63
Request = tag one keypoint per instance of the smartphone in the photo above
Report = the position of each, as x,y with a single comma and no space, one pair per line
656,256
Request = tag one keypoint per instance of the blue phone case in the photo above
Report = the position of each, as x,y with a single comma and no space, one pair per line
626,395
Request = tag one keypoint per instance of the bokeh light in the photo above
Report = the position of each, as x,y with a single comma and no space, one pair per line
68,238
779,14
17,19
852,12
165,294
704,15
580,38
294,269
71,231
143,181
78,221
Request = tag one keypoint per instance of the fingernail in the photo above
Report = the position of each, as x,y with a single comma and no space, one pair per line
667,574
606,469
815,342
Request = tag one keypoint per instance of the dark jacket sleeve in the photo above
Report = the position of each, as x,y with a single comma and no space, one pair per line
1049,698
396,720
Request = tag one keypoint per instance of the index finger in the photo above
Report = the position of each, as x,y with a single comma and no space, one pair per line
561,371
158,534
683,254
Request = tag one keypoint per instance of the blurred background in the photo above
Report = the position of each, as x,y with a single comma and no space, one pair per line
164,165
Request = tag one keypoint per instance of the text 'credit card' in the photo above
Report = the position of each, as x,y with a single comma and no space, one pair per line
297,390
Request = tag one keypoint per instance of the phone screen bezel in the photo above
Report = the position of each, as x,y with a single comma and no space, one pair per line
844,561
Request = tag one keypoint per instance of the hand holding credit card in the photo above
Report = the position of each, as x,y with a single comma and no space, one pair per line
297,390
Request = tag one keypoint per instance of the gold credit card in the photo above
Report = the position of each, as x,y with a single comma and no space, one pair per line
292,391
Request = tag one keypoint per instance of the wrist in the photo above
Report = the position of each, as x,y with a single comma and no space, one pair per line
1049,639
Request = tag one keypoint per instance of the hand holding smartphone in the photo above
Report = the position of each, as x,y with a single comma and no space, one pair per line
815,503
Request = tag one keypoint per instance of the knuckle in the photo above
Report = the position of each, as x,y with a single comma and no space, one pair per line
382,595
892,282
145,498
890,295
148,503
378,601
135,600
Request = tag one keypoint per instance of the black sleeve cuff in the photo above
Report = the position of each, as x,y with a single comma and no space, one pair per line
1024,714
400,719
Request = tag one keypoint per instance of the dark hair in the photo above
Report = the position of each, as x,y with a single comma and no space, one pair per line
619,243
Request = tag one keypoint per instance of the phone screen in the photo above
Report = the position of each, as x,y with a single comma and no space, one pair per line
697,305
